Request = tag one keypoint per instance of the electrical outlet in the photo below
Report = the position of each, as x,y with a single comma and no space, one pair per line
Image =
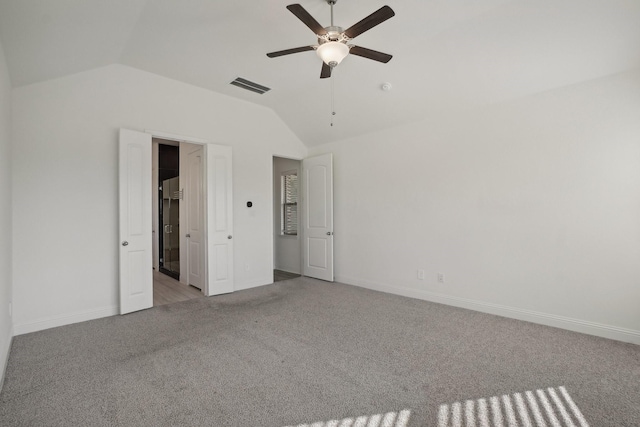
420,274
440,277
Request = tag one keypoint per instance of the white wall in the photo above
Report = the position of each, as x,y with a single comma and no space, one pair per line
287,255
65,183
5,214
531,209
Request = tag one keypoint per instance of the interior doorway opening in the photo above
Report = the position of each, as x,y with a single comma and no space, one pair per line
169,197
176,278
287,242
139,227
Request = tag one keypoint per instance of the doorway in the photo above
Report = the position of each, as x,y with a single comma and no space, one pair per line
167,290
176,217
138,225
287,259
168,208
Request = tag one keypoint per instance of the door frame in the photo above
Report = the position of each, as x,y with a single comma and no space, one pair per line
302,234
207,193
273,208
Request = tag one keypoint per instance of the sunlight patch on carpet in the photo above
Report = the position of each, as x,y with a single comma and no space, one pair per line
551,407
390,419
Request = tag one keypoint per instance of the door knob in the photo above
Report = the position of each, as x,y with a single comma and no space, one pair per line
125,243
329,233
188,235
229,237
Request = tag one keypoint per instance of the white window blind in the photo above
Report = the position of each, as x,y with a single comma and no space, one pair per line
289,188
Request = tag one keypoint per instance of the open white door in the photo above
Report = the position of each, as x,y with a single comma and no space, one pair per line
195,217
318,216
136,264
219,220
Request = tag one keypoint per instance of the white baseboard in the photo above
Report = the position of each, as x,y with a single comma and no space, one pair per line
253,284
4,357
62,320
286,270
577,325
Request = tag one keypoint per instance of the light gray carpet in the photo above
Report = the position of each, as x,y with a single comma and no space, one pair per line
306,351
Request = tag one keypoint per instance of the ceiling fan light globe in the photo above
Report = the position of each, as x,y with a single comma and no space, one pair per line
332,53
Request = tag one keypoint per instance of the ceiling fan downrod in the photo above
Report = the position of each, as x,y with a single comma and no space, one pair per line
331,3
335,40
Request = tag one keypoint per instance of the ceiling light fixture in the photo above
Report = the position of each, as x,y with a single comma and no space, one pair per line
332,53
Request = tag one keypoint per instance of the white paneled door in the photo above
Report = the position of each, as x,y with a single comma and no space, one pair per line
194,196
136,279
219,220
318,216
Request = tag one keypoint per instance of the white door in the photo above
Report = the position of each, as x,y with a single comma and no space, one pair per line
318,216
136,277
195,218
219,220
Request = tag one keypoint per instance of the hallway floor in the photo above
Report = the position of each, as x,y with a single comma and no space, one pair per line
279,275
167,290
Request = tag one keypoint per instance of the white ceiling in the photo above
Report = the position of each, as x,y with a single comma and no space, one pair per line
448,54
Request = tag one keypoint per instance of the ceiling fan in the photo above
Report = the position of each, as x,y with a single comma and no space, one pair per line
333,41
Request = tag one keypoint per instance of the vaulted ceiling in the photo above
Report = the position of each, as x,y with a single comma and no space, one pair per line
448,55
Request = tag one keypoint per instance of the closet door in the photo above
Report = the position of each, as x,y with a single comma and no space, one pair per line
219,220
317,184
195,215
136,265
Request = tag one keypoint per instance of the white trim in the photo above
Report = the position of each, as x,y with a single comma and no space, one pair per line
154,208
175,137
576,325
5,357
285,157
66,319
287,271
253,284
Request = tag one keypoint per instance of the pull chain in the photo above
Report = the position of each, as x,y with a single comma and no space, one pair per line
333,107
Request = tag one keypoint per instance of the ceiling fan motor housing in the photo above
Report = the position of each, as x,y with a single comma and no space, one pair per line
334,34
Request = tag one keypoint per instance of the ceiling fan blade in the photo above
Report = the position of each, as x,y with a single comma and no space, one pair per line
370,54
307,19
377,17
326,71
289,51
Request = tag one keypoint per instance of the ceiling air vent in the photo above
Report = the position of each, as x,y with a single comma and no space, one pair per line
249,85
